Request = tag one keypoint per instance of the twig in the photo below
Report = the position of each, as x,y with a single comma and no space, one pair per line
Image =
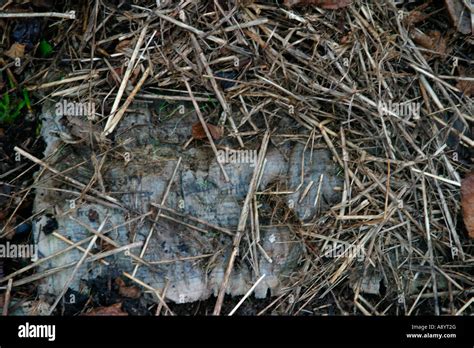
237,306
6,301
68,15
206,129
242,223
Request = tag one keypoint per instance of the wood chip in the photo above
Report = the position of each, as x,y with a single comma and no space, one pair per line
199,133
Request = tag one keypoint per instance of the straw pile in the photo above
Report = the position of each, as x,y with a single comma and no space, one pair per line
374,83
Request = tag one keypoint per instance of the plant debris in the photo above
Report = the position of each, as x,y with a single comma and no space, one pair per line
17,50
325,4
432,41
127,291
199,133
353,130
113,310
467,193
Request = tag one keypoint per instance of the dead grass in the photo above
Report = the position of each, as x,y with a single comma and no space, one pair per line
328,71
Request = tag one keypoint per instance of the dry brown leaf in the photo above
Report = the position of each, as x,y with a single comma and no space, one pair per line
127,291
199,133
17,50
104,246
415,17
347,39
114,310
325,4
123,46
119,71
432,41
467,202
467,87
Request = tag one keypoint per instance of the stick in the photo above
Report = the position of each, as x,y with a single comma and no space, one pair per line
242,223
206,130
67,178
109,128
192,218
430,245
163,201
190,28
246,295
68,15
126,76
108,240
95,257
7,298
215,87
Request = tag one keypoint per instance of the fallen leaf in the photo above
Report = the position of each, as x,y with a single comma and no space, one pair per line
467,203
113,310
432,41
347,39
415,17
467,87
104,246
17,50
199,133
123,46
127,291
324,4
113,79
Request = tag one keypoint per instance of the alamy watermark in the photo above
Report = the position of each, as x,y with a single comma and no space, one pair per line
237,156
406,110
13,251
338,250
28,330
69,108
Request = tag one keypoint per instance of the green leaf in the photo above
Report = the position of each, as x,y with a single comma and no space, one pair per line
11,83
38,129
5,108
26,98
11,108
45,48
